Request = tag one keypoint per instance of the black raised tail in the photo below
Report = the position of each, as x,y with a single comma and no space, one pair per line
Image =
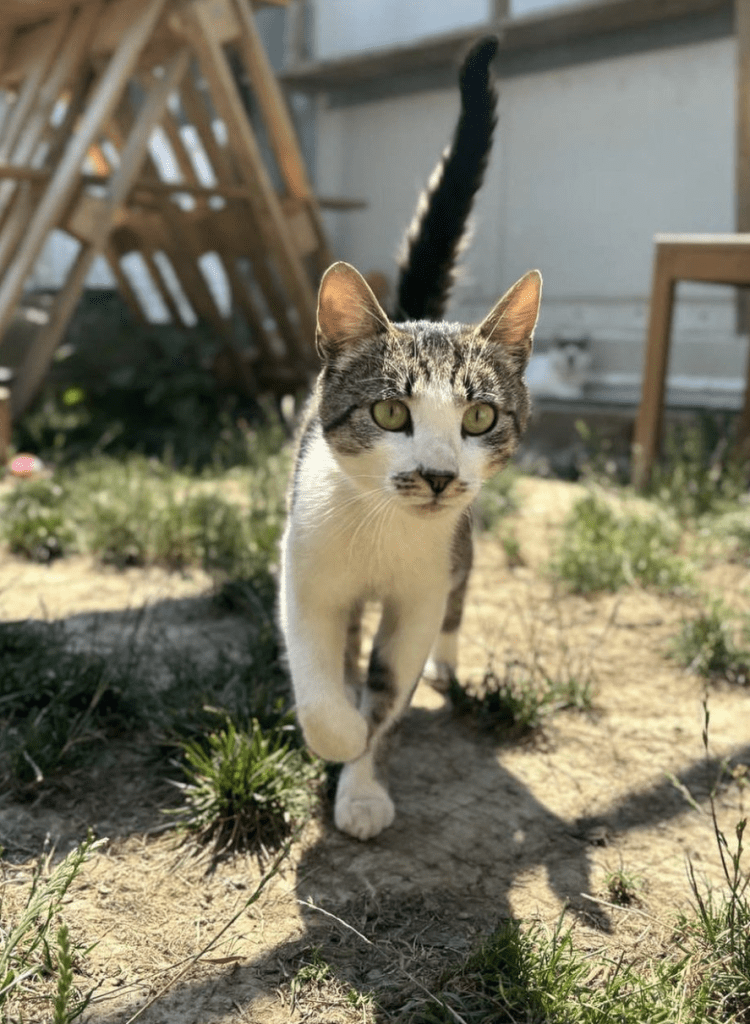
434,238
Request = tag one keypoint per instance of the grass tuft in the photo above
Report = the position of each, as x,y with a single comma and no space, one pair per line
601,550
700,472
708,645
518,703
27,945
55,702
497,499
246,789
35,522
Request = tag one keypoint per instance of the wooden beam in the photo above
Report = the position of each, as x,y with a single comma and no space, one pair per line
4,424
65,179
132,157
280,128
742,176
35,58
65,67
267,213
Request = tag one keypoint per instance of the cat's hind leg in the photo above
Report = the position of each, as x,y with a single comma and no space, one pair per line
440,668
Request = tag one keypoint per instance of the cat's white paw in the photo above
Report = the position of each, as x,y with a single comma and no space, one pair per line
439,674
365,812
334,731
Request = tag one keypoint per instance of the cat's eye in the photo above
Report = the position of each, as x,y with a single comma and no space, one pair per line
479,418
391,414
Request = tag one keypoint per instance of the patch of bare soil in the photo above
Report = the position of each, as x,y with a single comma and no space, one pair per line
485,829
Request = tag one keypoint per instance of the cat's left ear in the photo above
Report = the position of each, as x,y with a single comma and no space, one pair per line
347,311
511,323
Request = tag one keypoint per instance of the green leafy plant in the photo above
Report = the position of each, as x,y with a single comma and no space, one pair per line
717,934
601,550
497,499
55,702
623,887
708,645
518,702
30,951
34,521
700,471
246,788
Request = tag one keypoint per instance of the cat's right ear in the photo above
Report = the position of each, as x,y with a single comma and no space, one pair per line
347,311
512,322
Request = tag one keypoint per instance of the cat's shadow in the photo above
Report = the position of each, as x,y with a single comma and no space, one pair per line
465,825
466,831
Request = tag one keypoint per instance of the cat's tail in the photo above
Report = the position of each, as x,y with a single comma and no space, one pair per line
434,238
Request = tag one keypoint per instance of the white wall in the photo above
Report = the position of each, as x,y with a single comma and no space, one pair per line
348,26
590,162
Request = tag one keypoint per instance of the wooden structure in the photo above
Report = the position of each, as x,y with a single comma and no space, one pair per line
718,259
89,85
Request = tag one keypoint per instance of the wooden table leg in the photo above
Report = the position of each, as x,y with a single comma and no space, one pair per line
650,414
4,425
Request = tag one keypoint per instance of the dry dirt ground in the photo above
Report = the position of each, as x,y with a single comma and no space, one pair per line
485,829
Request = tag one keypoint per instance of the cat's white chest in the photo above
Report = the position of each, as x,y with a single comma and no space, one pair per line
361,541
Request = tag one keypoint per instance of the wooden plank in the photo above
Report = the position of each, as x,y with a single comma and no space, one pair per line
35,55
63,182
742,182
132,157
4,425
656,358
280,129
83,221
123,285
65,67
220,157
267,213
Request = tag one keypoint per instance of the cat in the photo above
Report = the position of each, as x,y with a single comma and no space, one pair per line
408,416
561,372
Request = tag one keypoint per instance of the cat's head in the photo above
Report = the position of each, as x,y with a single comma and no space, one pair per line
422,411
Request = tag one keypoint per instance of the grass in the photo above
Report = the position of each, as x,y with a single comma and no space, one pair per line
529,974
497,499
518,703
700,472
623,886
139,512
710,645
246,789
56,704
36,947
602,550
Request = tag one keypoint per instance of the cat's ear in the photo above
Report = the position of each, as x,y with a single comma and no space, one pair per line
511,323
347,311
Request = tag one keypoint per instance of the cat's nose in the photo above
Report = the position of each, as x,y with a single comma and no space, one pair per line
437,481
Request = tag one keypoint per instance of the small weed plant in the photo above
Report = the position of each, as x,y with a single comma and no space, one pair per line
710,645
246,789
623,887
601,550
37,954
138,512
700,472
36,523
497,499
518,702
55,703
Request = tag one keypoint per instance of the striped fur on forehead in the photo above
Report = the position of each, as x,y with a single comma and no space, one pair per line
413,359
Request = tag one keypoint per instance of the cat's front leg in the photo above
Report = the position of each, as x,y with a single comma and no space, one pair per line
363,806
315,638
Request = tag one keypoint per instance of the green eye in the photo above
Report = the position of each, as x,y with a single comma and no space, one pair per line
479,418
390,414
